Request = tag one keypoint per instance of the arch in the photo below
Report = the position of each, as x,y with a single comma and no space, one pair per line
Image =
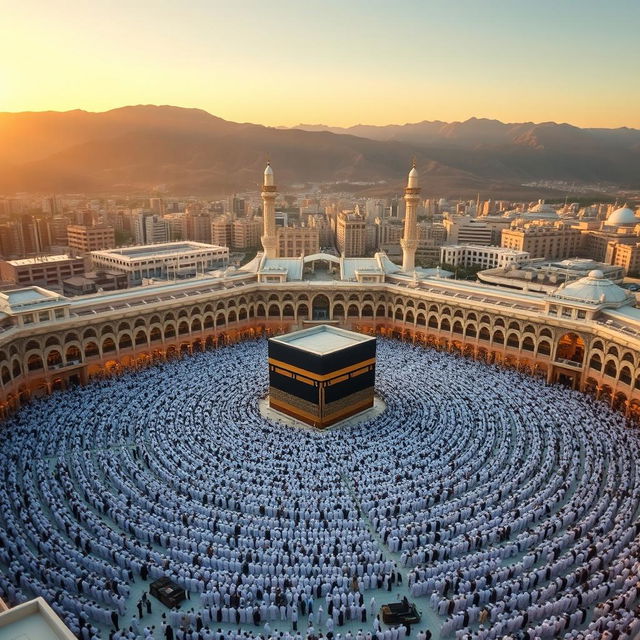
544,348
52,341
125,341
445,325
546,333
196,324
155,335
352,311
457,327
141,337
170,331
320,307
89,333
498,337
288,310
595,362
5,374
34,362
367,311
91,349
484,334
32,345
409,317
72,355
613,351
625,375
528,344
598,344
571,348
54,359
512,339
338,310
303,311
471,331
274,311
610,368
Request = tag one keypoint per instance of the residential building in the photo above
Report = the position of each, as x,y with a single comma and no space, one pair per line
86,239
351,234
297,241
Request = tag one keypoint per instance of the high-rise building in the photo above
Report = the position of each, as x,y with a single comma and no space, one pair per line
245,233
85,239
221,231
198,227
157,206
150,228
351,239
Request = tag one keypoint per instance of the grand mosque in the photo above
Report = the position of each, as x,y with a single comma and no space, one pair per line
438,458
585,334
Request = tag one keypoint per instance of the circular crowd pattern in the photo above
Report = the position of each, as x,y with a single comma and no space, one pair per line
496,503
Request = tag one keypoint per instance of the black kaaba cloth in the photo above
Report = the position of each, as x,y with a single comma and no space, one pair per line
322,375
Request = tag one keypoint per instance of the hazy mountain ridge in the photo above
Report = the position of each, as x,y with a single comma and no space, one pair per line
191,151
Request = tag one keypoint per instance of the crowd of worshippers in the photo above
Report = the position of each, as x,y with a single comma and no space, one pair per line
509,505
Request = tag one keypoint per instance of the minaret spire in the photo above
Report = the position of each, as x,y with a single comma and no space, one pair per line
269,240
409,241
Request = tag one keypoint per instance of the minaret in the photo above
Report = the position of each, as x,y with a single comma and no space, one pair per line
409,241
269,240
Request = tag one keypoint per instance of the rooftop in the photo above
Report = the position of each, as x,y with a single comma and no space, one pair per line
33,620
158,250
323,339
41,260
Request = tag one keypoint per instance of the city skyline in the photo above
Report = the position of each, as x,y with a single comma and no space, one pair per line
333,63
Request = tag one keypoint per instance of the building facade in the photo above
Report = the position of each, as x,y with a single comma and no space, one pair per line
351,237
169,260
46,271
85,239
553,241
470,255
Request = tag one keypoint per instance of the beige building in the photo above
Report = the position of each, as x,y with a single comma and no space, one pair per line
351,236
626,256
294,242
468,230
554,241
85,239
221,231
46,271
245,233
431,236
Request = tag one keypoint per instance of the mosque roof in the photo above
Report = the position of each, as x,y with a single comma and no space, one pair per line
594,289
622,216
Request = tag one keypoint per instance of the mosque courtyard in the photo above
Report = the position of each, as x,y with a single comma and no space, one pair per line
495,502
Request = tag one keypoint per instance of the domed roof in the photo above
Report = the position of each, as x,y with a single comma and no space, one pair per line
622,216
594,289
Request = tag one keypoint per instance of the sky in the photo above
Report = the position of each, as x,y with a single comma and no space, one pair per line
337,62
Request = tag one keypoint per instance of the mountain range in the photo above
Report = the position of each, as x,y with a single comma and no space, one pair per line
189,151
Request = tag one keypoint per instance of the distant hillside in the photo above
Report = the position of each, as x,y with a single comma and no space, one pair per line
138,148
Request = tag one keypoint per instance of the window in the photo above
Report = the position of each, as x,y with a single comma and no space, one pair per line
44,316
27,318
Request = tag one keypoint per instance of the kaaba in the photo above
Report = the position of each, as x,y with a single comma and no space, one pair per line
321,375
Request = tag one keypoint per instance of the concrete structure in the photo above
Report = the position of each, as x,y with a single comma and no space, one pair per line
351,238
168,260
626,256
468,230
431,236
553,241
470,255
245,233
297,241
94,281
546,276
85,239
322,375
150,228
33,620
47,271
409,242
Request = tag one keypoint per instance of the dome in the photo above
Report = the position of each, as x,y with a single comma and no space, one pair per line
594,289
621,217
